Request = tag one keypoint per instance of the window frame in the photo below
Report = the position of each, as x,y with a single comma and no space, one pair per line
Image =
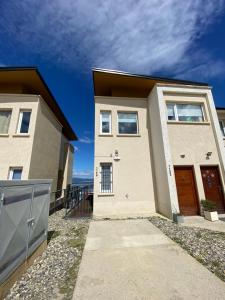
102,191
7,110
19,123
110,122
11,172
177,115
223,125
127,112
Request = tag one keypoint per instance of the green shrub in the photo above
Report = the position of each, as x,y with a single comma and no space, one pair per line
208,205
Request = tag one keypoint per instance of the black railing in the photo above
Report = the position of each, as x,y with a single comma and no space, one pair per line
79,200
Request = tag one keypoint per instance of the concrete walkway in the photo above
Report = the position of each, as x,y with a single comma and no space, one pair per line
197,221
132,259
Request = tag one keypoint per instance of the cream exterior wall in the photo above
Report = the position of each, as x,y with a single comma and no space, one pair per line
15,149
66,161
46,150
133,192
221,116
166,200
193,140
42,150
159,148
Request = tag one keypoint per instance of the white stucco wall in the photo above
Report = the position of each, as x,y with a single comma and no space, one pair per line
166,199
133,192
46,148
194,140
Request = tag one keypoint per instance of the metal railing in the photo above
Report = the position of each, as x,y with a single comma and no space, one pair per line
75,196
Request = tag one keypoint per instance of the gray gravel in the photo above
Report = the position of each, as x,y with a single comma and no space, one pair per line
207,246
53,275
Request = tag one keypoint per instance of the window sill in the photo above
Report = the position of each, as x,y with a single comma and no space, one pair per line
188,123
21,135
4,135
106,134
105,194
130,135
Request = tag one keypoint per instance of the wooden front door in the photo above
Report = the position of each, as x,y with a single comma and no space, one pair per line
186,191
213,186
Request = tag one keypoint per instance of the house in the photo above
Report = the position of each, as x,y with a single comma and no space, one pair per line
35,136
158,146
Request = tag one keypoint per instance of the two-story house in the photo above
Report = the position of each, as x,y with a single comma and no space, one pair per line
35,136
158,146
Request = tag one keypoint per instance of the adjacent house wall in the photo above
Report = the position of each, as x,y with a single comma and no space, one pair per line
190,142
15,149
66,162
221,116
46,148
193,140
133,191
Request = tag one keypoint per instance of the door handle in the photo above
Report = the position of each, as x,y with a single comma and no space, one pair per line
31,222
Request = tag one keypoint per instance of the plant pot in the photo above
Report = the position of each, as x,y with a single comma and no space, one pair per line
211,216
177,218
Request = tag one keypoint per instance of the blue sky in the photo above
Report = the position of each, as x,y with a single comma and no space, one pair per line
66,38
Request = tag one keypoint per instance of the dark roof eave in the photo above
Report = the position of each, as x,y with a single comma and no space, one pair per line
220,108
179,81
68,132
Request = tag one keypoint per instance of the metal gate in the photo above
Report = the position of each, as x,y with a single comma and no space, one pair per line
24,209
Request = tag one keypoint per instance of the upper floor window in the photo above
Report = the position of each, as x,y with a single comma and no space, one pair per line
105,122
127,123
15,173
222,127
24,121
5,116
185,112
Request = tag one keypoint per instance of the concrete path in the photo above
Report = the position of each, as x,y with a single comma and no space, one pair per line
197,221
132,259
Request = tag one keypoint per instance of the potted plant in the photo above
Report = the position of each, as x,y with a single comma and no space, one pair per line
209,209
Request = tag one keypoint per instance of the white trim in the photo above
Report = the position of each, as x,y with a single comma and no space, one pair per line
128,112
176,115
222,121
110,122
101,191
11,172
20,120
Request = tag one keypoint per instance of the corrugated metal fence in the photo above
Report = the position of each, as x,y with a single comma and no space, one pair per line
24,209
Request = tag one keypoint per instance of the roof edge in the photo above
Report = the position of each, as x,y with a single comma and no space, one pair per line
34,68
122,73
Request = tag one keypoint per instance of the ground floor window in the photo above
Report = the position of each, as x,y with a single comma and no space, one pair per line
15,173
106,178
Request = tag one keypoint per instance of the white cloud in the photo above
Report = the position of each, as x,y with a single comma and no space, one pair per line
76,148
139,36
85,140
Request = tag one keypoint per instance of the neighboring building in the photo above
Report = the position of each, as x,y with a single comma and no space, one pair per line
158,146
34,133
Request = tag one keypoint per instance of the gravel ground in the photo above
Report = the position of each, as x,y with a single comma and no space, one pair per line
53,275
207,246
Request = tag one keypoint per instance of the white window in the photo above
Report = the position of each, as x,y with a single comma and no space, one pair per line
222,127
24,121
106,178
15,173
185,112
5,116
127,123
105,122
